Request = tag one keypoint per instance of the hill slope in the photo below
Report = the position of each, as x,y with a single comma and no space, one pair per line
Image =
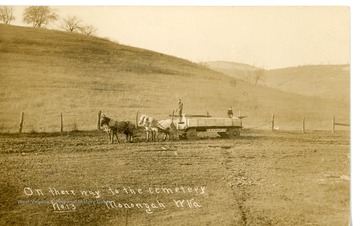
324,81
44,73
240,71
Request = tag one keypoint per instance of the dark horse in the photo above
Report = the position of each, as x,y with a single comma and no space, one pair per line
113,127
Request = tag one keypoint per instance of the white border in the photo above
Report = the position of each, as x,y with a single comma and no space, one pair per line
182,3
354,11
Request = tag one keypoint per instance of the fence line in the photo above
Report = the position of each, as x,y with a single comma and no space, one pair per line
337,124
71,122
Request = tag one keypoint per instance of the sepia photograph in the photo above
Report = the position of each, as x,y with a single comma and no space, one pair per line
175,115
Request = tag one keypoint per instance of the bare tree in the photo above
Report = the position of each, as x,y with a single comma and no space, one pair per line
6,14
259,74
39,16
88,30
71,24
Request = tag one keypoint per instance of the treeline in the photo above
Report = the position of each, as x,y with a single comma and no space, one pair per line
43,16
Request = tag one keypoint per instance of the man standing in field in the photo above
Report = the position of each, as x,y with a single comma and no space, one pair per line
179,109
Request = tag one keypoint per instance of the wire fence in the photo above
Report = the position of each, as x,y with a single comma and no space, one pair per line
67,121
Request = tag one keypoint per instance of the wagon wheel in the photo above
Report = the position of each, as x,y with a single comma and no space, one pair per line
191,134
233,133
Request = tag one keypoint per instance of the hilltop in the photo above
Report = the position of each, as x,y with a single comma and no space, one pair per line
323,81
46,72
240,71
230,67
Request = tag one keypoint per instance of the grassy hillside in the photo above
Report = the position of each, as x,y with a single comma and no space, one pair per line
244,72
44,73
324,81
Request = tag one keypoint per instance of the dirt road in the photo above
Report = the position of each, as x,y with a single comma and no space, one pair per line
263,178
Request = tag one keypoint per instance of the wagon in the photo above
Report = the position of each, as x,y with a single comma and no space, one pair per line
191,125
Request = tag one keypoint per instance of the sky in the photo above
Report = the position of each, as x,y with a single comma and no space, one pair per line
267,37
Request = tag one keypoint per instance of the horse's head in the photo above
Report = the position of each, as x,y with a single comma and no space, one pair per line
104,120
142,120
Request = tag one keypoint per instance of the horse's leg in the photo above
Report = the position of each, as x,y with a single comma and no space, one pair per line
126,136
129,137
169,134
117,138
109,133
112,136
151,134
156,137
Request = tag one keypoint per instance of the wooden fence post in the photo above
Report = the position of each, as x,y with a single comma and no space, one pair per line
61,123
98,120
272,122
303,125
21,122
126,217
333,124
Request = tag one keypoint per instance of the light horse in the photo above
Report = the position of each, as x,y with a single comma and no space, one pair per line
150,131
167,127
153,127
112,127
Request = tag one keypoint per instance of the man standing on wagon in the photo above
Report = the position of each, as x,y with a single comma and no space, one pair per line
230,112
179,109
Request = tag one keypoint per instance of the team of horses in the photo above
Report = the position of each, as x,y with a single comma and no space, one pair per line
151,126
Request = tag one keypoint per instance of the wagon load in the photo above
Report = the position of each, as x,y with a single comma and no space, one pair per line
190,125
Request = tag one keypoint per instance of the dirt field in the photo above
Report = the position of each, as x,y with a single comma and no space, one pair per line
263,178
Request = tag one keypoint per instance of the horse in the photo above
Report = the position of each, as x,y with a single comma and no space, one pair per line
112,127
150,129
167,127
154,126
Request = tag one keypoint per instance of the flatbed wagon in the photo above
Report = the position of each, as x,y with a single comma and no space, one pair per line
191,125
